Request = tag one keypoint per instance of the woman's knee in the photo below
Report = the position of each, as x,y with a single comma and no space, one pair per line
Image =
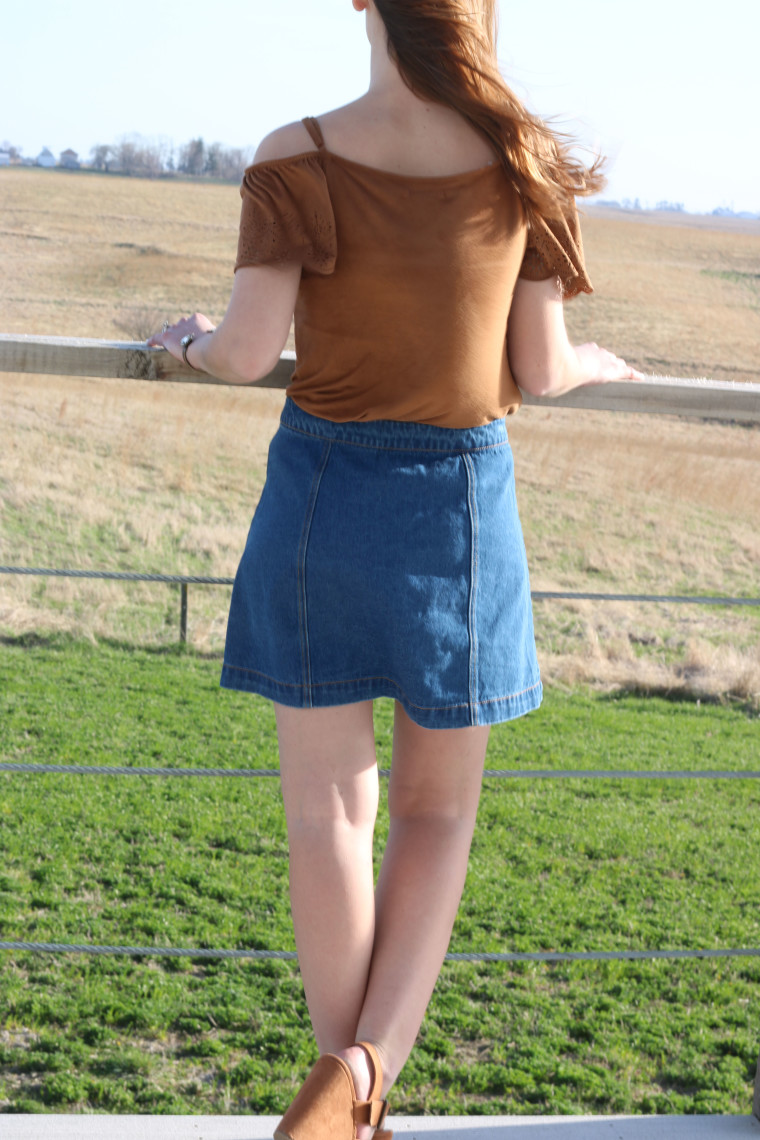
328,766
436,773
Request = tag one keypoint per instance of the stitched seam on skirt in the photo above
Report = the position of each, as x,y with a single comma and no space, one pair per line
303,622
472,634
386,447
362,680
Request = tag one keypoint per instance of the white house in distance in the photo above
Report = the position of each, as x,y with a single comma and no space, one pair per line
45,158
69,159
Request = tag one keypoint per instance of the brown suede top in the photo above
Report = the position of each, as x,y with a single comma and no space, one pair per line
406,283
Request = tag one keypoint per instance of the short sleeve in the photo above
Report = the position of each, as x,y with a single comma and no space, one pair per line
287,216
555,249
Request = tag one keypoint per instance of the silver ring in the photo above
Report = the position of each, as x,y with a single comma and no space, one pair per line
165,327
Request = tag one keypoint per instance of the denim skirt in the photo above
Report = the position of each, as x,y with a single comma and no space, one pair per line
386,559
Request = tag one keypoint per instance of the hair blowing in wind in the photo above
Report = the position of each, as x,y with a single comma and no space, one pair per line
445,51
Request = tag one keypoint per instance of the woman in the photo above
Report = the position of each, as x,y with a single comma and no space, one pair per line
406,230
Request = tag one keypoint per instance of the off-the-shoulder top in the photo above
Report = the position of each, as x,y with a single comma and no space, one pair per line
406,283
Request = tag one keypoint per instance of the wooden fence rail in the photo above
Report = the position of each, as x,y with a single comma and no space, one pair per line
70,356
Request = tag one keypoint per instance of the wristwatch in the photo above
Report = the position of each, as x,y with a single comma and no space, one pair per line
184,345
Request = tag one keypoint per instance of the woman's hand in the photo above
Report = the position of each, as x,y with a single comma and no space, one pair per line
543,361
170,337
598,366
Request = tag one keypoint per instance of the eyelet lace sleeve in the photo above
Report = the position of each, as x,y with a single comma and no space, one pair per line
555,249
287,216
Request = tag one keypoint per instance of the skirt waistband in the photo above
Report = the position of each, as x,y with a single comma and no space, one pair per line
395,434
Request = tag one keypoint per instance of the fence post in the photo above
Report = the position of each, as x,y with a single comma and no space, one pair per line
756,1101
183,614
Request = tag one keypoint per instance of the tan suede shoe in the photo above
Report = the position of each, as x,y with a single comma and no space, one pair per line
326,1108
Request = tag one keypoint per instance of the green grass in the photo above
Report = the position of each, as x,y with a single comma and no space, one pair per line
203,862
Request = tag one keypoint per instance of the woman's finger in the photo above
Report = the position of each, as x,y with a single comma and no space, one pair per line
157,339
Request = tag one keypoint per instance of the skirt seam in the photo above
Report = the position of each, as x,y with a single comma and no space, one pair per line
472,629
303,614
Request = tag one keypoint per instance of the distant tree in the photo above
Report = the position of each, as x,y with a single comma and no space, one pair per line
137,158
167,155
192,157
214,159
672,207
101,156
141,158
235,162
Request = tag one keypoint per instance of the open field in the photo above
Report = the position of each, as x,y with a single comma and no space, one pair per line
555,865
126,475
121,475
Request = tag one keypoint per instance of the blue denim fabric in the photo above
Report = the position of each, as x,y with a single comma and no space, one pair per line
386,558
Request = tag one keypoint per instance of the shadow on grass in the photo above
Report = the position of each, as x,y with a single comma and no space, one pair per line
65,642
684,693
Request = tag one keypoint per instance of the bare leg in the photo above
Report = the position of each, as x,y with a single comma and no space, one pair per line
369,962
433,799
330,790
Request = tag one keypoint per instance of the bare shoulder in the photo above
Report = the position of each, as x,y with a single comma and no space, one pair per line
284,143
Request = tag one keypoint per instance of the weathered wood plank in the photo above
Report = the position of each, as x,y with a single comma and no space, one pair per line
664,395
69,356
123,360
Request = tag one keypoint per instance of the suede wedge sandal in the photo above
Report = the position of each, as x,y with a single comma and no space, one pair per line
326,1108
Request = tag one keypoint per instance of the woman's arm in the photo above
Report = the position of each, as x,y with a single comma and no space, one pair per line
541,357
248,342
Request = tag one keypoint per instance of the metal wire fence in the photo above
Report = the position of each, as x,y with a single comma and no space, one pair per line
185,580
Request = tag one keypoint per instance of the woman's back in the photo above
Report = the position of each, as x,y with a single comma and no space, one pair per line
412,237
407,278
408,137
392,129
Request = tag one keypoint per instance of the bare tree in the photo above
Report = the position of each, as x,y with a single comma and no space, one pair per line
234,163
214,160
101,156
137,158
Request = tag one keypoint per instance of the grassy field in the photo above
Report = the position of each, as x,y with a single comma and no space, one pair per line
127,475
556,865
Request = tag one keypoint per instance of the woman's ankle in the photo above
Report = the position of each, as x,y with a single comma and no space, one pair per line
361,1067
362,1071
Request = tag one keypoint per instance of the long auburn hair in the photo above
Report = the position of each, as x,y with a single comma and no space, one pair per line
445,51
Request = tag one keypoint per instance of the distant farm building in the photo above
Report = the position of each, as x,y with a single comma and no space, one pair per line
45,158
5,158
70,159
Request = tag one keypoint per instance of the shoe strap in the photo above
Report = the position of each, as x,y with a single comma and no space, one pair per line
371,1112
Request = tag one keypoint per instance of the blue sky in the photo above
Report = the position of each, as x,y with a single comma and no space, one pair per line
669,89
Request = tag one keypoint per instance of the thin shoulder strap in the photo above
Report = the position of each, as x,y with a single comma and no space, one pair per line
315,131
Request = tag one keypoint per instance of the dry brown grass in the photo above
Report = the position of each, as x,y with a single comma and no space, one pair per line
127,475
